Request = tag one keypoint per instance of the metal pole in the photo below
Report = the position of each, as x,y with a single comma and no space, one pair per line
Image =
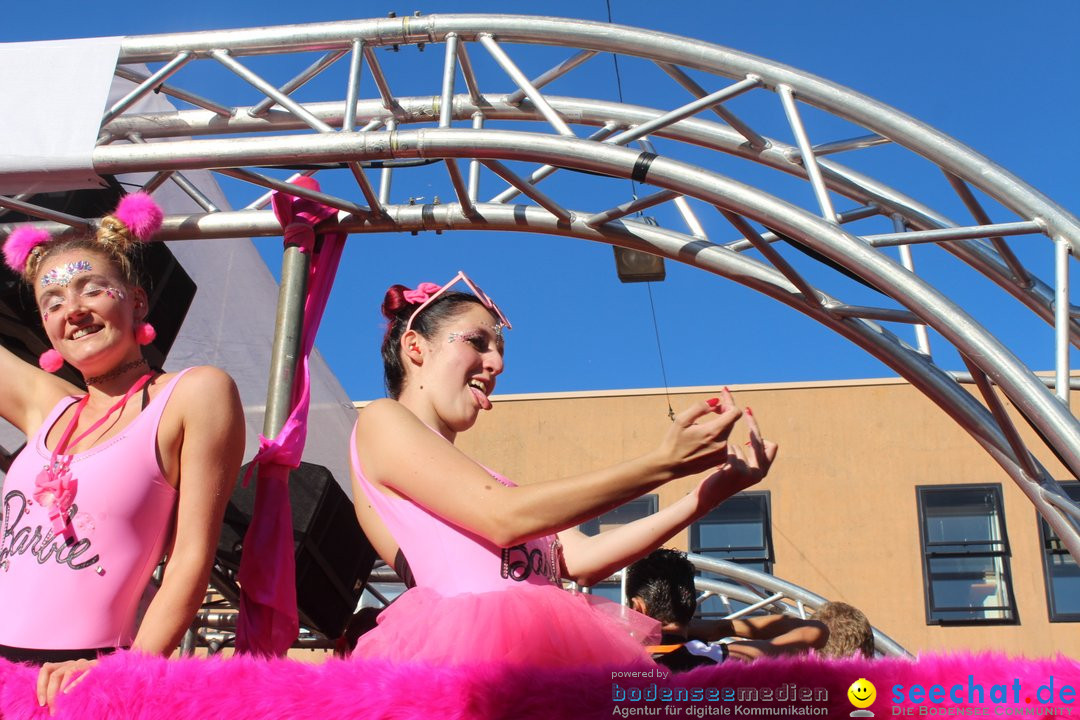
287,336
1061,318
922,339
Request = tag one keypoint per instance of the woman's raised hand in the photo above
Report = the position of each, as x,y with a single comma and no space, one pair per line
744,467
697,439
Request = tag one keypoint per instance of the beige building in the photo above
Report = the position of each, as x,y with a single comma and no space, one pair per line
877,499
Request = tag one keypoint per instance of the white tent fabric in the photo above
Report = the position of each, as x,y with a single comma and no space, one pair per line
231,323
49,134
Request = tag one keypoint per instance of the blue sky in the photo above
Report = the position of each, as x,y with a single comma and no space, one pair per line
999,76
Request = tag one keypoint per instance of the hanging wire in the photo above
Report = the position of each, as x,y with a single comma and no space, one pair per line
648,283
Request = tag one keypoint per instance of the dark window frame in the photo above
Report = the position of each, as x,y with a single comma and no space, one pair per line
1004,553
1072,488
767,557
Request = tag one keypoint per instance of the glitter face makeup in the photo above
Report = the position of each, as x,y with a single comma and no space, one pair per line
54,300
63,275
477,336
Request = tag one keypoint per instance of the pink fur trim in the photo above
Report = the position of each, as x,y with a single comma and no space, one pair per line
20,243
127,685
141,214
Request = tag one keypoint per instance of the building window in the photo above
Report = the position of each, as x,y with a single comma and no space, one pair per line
1062,574
965,555
627,512
738,530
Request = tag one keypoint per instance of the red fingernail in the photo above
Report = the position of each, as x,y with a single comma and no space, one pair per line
727,389
749,411
712,402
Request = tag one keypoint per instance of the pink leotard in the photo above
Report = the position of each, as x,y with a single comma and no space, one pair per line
477,602
85,593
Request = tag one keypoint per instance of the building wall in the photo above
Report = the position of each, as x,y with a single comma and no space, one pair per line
844,511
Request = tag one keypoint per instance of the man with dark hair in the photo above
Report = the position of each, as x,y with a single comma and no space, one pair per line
661,585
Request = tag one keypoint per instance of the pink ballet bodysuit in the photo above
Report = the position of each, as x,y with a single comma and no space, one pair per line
477,602
84,592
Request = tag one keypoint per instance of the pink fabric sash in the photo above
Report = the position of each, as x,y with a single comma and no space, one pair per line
268,622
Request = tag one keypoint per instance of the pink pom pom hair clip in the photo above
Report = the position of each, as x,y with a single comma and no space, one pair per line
20,244
137,211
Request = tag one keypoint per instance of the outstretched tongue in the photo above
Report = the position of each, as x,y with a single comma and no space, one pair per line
481,398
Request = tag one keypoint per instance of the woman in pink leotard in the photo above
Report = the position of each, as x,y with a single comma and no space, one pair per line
138,467
488,556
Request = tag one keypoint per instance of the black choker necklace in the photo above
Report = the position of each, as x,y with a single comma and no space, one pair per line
97,379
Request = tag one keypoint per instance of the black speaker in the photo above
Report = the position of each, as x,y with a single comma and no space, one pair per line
333,556
169,288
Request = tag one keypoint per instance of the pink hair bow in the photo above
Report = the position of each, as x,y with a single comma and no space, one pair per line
422,292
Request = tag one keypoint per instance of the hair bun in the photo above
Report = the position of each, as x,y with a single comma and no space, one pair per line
394,302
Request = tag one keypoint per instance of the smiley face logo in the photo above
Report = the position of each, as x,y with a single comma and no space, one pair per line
862,693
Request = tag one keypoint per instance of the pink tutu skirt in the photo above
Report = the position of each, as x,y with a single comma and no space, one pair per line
534,625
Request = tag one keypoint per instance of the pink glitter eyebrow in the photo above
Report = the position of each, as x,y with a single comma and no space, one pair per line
62,276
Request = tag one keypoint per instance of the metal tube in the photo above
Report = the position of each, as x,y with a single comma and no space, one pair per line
758,142
380,78
554,73
922,339
193,192
287,336
474,164
629,208
365,187
386,176
263,200
174,92
270,91
1061,319
856,143
446,100
1020,273
156,181
467,205
523,83
750,233
297,190
314,69
178,178
530,190
44,213
972,232
470,77
545,170
147,85
691,108
352,90
875,313
687,212
813,172
993,402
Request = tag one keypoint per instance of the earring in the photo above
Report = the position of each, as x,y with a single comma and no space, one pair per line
144,333
50,361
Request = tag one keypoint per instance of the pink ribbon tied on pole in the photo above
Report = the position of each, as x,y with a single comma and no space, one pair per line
269,622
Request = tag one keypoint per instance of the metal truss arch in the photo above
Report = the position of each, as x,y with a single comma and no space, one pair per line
390,131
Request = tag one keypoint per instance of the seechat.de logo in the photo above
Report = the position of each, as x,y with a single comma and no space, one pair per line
862,694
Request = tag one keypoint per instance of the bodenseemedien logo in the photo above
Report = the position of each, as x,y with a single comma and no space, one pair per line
862,694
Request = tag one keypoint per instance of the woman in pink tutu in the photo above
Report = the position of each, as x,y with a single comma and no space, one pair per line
488,556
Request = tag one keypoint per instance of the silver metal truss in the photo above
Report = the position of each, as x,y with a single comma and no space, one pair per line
515,136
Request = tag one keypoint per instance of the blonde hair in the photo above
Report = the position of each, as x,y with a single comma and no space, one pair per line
112,238
849,631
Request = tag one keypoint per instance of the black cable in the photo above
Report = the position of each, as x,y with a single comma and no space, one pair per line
633,187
